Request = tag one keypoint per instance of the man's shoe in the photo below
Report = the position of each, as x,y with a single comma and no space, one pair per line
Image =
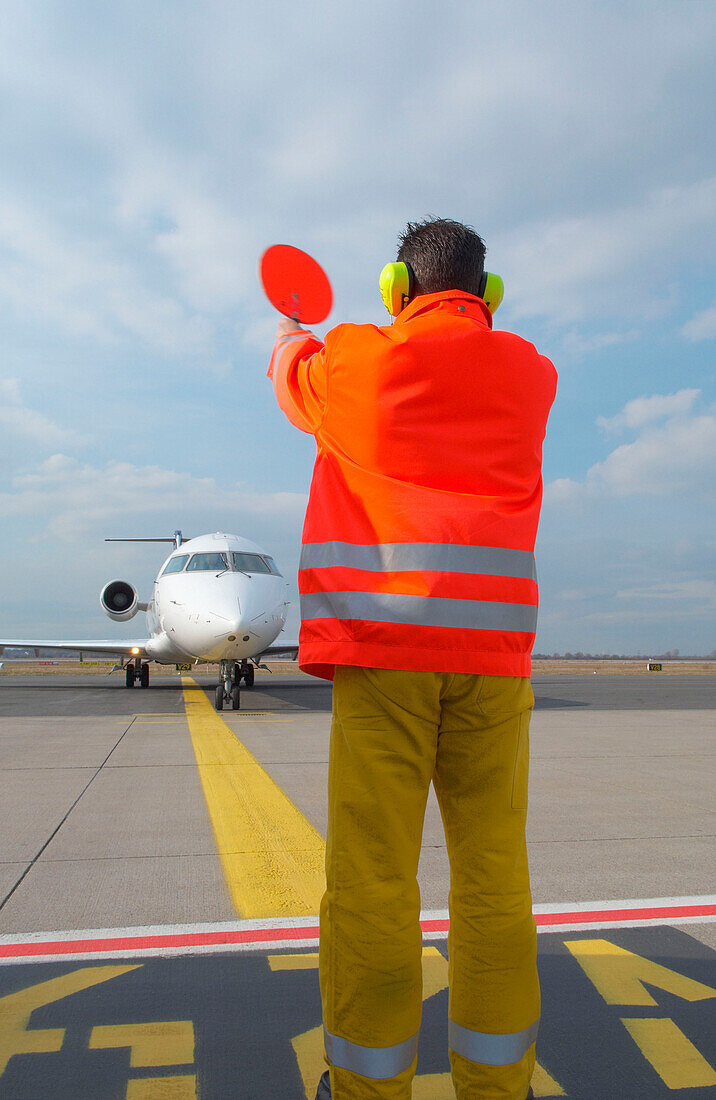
324,1087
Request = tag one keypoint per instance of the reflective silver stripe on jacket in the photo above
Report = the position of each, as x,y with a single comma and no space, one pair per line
491,1050
429,556
375,1062
396,607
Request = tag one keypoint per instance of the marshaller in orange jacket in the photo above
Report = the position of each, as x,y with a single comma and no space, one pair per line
419,598
418,543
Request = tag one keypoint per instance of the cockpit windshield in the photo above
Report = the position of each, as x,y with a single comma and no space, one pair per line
175,565
206,562
250,563
221,563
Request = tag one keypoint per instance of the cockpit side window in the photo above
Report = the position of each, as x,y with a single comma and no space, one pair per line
206,562
272,566
175,565
250,563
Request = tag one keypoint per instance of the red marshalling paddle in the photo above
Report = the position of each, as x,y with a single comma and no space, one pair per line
295,284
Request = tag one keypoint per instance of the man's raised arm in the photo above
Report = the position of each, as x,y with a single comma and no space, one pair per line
298,372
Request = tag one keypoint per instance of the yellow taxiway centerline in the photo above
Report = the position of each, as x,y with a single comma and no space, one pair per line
273,858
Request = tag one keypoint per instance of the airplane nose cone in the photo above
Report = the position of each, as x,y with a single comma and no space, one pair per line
238,629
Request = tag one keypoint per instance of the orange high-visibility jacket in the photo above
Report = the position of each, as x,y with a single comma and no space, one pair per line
418,543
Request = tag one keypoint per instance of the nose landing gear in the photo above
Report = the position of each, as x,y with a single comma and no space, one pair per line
228,691
137,670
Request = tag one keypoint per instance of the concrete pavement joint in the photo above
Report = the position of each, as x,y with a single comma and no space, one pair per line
56,830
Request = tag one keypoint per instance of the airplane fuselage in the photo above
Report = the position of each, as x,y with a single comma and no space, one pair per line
217,597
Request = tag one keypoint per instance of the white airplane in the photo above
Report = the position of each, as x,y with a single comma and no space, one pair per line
217,598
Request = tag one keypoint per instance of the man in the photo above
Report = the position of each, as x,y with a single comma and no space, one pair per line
419,600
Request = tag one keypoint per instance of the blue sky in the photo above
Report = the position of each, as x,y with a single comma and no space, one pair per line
152,152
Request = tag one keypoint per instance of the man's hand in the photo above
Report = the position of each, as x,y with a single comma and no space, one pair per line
287,325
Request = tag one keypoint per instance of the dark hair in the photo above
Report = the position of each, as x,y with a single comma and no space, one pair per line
444,255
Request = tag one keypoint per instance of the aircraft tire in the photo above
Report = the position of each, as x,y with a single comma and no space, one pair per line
219,697
144,677
249,676
235,697
129,681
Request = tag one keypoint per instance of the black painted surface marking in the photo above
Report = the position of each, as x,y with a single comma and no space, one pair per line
245,1015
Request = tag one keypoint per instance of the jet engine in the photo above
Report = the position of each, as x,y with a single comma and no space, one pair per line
119,600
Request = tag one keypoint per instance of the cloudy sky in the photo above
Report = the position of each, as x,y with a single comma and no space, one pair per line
151,152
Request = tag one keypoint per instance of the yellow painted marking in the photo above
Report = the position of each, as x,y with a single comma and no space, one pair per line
435,972
16,1009
165,1043
543,1084
273,858
309,961
673,1056
618,974
308,1047
433,1086
163,1088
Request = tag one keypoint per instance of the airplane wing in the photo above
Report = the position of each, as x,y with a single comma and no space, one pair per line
118,647
285,649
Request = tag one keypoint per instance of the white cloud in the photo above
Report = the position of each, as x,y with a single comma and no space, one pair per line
74,498
699,592
606,261
209,247
77,284
26,423
575,344
677,457
646,410
702,326
563,490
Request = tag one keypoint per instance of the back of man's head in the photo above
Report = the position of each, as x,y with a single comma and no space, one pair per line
444,255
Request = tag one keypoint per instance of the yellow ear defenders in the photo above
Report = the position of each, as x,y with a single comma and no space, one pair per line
396,288
492,290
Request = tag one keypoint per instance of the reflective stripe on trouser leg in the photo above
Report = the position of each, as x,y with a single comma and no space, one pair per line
492,1050
375,1062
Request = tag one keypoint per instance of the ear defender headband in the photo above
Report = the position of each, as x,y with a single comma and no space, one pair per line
396,288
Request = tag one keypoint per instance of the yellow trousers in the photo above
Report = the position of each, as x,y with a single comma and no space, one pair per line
393,732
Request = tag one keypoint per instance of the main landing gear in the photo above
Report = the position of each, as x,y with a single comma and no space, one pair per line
136,670
228,692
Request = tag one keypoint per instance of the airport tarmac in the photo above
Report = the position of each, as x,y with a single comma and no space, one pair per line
182,851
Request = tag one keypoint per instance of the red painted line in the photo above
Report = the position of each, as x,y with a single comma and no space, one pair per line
142,943
609,916
256,936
